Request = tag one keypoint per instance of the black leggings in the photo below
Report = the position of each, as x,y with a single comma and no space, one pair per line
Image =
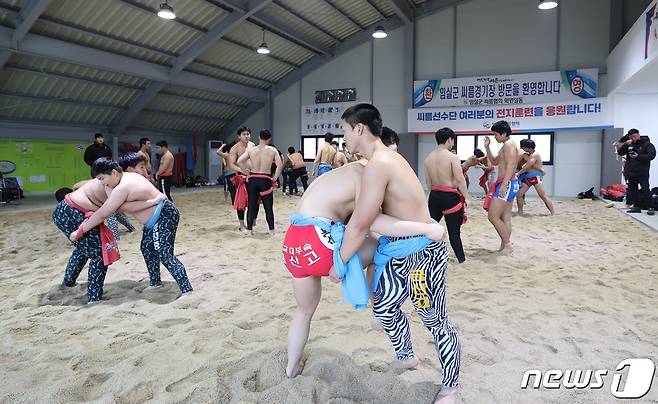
231,190
254,188
165,186
440,201
299,173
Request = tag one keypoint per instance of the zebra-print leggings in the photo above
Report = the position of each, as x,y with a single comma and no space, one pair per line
421,277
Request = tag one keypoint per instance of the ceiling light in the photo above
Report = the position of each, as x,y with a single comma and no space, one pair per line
379,33
547,4
263,49
166,11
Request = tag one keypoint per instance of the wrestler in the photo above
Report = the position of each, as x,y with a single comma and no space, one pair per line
413,267
298,170
260,184
308,246
531,174
448,189
498,201
324,158
160,221
340,159
234,175
97,245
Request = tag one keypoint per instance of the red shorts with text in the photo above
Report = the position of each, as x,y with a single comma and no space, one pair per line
308,251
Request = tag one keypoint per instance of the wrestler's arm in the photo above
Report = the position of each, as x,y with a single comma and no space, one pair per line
279,164
243,160
490,156
461,180
368,204
317,159
394,227
134,206
111,205
532,161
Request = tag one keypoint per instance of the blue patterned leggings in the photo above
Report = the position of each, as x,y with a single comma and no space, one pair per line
67,219
421,277
158,246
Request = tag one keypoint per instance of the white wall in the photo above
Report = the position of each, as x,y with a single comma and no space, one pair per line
492,36
638,111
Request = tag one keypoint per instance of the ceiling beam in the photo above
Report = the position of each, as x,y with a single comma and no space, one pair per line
184,115
264,21
228,23
46,99
144,8
71,77
402,9
51,48
233,124
343,14
169,56
25,19
306,21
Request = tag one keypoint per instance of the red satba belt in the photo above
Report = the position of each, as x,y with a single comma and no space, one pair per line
460,206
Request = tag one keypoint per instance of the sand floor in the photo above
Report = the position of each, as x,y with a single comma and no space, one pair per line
579,292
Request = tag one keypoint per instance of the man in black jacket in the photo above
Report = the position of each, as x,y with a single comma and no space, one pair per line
639,152
97,150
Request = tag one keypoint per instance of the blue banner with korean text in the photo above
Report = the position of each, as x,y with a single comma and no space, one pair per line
530,88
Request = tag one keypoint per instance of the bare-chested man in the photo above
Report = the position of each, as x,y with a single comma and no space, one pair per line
261,183
69,215
324,159
340,159
448,189
160,221
531,174
234,175
223,153
390,138
413,267
165,173
145,151
298,170
499,199
308,247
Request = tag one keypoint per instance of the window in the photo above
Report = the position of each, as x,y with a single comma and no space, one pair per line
543,144
310,145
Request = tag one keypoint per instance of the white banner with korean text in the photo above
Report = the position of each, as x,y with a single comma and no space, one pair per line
579,114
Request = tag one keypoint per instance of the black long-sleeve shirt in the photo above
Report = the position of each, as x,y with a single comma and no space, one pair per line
638,166
96,151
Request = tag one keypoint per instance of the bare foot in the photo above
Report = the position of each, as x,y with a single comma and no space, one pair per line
447,395
185,295
407,364
247,232
272,232
293,371
506,248
154,287
376,325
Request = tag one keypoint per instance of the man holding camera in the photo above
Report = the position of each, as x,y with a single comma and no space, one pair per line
639,152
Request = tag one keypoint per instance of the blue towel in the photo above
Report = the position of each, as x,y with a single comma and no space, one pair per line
355,286
156,215
388,250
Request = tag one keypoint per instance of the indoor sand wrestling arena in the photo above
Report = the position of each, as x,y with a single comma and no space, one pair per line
567,312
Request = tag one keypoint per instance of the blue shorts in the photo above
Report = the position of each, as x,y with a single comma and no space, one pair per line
324,168
512,190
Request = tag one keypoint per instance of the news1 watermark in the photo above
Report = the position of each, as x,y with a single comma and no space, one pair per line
637,383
